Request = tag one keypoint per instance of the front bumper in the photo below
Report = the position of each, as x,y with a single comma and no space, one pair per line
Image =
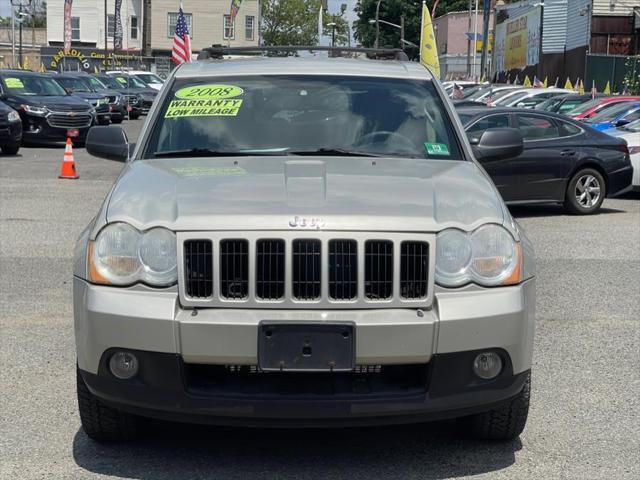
36,129
171,341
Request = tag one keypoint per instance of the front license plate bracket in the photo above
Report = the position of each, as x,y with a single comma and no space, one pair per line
301,347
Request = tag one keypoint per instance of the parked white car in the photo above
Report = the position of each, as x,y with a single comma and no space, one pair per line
631,133
149,78
530,97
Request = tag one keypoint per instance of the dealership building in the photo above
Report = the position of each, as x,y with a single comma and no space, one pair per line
147,32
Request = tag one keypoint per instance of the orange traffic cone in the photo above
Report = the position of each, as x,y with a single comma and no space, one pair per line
68,167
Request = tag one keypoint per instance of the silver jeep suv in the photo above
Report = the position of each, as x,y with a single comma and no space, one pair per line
303,242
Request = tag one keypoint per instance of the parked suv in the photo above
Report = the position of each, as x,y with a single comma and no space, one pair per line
75,86
150,79
131,99
48,113
303,242
117,107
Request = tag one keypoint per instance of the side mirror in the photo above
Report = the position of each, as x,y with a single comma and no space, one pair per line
498,144
108,142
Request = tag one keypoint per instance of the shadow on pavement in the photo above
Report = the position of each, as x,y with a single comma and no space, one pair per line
434,451
528,211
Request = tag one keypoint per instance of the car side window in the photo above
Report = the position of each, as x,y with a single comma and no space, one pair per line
491,121
534,127
632,116
566,129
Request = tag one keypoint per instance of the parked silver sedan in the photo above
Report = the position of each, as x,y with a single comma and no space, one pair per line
303,242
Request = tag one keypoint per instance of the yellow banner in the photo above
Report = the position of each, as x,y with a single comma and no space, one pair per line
428,49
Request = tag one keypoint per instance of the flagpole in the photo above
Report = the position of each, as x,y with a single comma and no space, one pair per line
475,40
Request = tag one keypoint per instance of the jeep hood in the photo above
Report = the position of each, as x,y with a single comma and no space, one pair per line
266,193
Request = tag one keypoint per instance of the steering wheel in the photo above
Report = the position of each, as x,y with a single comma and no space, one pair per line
387,134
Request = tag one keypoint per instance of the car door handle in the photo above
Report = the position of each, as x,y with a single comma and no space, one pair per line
567,153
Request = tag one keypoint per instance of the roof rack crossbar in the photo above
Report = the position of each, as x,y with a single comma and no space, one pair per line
218,51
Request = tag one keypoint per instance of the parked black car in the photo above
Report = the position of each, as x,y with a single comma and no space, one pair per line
565,102
10,130
563,160
132,84
79,88
131,99
48,113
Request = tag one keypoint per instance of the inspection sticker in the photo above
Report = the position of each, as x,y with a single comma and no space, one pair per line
203,108
437,149
13,83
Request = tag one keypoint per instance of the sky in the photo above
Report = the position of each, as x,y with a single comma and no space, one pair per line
5,8
334,7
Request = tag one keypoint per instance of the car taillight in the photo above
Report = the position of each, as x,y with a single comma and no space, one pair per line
624,148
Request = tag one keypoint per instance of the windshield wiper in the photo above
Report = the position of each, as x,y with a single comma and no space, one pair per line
207,152
340,152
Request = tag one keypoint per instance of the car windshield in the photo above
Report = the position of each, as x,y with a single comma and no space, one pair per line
303,115
18,84
72,84
612,113
110,82
94,83
570,105
585,106
550,104
503,93
149,78
133,82
512,99
632,127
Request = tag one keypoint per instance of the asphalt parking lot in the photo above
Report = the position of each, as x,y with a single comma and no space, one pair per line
584,421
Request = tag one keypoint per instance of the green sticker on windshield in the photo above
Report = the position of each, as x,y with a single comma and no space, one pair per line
209,92
121,80
437,149
203,108
13,83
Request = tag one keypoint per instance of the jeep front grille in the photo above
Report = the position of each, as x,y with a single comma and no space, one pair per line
270,268
234,269
198,267
305,269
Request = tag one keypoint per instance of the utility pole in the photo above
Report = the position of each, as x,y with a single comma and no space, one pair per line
13,38
376,45
22,15
106,31
402,32
469,43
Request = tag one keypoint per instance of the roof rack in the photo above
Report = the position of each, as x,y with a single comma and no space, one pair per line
218,51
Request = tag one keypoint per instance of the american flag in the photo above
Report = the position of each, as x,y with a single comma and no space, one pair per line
235,6
458,91
181,51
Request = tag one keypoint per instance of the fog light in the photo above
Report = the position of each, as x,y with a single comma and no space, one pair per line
487,365
123,365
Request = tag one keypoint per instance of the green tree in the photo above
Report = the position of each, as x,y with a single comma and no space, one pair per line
341,28
391,11
290,22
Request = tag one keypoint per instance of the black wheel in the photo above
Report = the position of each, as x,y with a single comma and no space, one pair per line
116,120
585,192
506,422
10,149
100,422
134,116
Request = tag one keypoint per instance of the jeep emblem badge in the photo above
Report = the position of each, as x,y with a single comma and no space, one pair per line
310,223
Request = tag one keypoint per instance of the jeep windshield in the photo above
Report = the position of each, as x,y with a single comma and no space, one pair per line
18,84
303,115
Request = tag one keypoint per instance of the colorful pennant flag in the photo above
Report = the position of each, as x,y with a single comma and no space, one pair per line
607,89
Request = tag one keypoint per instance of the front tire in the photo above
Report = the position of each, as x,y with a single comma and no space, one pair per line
101,422
10,149
585,192
506,422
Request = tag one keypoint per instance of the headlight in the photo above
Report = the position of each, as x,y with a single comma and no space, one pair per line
13,116
488,256
121,255
35,110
